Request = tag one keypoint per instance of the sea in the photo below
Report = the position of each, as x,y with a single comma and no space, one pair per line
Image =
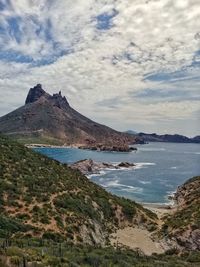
160,169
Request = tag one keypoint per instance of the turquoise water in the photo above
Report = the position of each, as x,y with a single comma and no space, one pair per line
160,168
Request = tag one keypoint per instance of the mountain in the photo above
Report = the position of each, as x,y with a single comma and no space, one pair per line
41,197
49,119
184,225
196,139
174,138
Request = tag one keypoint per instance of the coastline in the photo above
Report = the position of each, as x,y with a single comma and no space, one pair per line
49,146
158,208
111,149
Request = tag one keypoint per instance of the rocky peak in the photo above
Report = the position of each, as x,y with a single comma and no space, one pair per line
60,101
35,93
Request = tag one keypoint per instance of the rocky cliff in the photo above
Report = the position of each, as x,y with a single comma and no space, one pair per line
184,224
49,119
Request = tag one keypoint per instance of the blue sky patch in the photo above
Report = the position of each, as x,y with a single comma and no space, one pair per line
104,20
15,56
14,28
165,76
2,6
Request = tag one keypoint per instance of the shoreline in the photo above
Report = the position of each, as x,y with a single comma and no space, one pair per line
82,147
49,146
161,209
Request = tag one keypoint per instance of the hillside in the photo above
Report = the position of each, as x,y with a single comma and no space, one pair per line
43,198
54,216
51,120
184,224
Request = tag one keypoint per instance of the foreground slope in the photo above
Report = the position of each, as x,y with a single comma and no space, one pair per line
50,119
51,215
43,198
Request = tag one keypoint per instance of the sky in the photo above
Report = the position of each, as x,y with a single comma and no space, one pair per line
129,64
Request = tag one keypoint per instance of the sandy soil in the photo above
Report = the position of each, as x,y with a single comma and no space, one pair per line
136,238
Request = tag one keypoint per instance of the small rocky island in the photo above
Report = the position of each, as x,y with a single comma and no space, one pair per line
109,148
88,166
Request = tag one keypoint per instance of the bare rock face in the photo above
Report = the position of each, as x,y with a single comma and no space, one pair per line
195,236
126,165
189,239
60,101
35,93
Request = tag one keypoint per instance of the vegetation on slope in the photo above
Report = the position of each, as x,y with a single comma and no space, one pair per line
41,253
184,224
49,212
43,198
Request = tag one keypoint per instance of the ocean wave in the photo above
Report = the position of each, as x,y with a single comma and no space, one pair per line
152,149
171,193
194,153
140,165
145,182
133,190
156,204
123,187
89,176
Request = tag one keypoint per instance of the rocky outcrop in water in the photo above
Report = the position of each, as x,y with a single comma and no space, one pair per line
109,148
88,166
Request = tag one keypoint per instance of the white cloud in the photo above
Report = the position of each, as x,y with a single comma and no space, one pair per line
147,37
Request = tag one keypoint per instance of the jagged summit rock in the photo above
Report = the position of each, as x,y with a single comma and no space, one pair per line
38,92
60,101
35,93
49,119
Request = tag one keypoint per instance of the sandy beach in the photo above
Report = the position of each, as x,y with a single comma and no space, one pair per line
49,146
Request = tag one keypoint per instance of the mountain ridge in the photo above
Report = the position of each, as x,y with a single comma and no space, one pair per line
174,138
